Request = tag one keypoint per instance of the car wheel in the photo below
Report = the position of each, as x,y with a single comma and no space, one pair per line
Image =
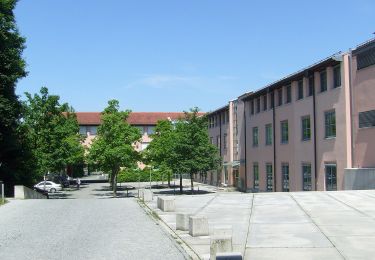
53,190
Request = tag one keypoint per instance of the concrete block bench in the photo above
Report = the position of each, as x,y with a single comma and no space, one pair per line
146,195
220,244
166,204
198,226
182,221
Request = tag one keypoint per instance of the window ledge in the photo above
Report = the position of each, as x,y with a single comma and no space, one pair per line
330,138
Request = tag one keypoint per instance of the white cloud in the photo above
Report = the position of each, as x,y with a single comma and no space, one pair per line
180,81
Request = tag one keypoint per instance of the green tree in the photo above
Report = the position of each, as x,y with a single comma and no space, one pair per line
13,150
52,131
112,149
161,147
193,151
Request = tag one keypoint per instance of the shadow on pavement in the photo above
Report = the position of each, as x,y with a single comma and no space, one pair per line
185,192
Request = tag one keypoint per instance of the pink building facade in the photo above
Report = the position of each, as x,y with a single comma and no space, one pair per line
302,132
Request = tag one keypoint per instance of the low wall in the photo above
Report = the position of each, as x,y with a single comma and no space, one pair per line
359,179
22,192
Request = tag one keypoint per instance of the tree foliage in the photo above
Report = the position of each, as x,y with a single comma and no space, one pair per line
184,146
112,149
159,151
13,150
52,131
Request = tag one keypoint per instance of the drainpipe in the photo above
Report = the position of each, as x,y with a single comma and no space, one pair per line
221,141
315,134
244,122
351,107
274,139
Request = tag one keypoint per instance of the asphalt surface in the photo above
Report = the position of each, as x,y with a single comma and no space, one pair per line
82,227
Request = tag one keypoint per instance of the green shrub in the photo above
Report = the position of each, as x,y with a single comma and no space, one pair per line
135,175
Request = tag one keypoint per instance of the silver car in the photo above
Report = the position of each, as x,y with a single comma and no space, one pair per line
49,186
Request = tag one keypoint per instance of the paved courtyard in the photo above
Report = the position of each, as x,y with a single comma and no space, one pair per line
85,224
296,225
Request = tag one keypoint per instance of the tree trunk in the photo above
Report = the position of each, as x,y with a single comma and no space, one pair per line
115,170
180,183
192,183
169,180
111,179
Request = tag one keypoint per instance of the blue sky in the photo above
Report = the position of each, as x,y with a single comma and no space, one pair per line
170,55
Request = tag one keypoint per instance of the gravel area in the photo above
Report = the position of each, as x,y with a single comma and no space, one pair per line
82,229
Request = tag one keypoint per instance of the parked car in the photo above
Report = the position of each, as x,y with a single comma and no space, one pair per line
49,186
59,178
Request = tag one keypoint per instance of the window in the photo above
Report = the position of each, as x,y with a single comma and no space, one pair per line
218,141
150,130
82,130
265,103
211,140
337,76
255,136
280,96
330,124
256,175
284,132
285,175
311,85
306,128
331,178
269,134
300,89
306,176
227,113
225,141
258,105
272,99
269,177
252,106
366,58
323,81
288,94
88,130
366,119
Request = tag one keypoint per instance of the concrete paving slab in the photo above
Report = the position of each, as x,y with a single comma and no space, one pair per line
292,254
355,247
296,225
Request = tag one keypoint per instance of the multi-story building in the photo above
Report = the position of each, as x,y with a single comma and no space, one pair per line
303,131
145,121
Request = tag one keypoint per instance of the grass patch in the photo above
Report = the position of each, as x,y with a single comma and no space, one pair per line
3,202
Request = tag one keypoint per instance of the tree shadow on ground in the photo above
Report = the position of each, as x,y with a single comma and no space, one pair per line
109,195
185,192
119,188
60,196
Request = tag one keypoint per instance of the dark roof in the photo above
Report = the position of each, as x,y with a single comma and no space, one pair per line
220,109
364,46
330,61
135,118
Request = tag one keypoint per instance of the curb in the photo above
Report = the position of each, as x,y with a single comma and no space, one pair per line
188,252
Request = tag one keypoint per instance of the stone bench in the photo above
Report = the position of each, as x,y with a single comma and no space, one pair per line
220,244
182,221
166,204
198,226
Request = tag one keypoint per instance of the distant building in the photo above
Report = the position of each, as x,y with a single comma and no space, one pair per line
145,121
303,131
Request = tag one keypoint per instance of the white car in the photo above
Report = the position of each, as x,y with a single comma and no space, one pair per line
49,186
